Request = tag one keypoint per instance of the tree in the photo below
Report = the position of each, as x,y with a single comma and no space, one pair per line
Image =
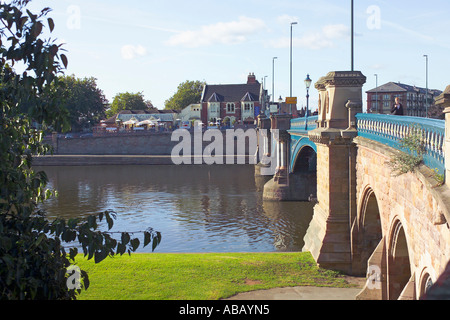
128,101
84,101
188,92
33,259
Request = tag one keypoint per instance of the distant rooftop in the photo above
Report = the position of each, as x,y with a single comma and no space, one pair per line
401,87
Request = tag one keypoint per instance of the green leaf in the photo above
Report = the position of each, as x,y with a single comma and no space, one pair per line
51,24
125,238
109,220
41,237
147,238
64,60
135,244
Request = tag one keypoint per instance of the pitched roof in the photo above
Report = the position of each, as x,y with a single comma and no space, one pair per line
401,87
232,92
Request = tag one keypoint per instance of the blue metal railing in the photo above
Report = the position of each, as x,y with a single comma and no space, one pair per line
390,130
303,125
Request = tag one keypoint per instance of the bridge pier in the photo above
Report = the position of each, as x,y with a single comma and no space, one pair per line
264,168
328,236
278,188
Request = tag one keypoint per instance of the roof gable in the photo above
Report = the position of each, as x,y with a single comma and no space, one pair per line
249,97
215,98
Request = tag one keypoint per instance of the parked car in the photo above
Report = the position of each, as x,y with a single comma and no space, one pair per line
87,135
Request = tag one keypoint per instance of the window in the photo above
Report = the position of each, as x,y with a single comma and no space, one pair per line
248,107
214,107
230,107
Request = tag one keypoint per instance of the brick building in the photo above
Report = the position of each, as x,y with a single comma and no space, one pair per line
413,99
233,103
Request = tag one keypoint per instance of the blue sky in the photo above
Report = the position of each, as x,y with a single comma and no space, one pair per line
152,46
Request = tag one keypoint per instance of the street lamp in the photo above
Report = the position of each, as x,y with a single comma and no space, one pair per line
308,82
426,97
292,23
290,106
273,78
376,92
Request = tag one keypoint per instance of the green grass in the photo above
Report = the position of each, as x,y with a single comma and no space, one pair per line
208,276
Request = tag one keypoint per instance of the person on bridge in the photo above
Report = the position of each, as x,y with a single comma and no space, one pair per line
397,109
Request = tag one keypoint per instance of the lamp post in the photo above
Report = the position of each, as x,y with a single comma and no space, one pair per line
426,97
292,23
376,91
352,37
273,78
308,82
290,106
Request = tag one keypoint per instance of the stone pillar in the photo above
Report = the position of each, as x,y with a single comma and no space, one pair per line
444,102
328,236
263,153
278,187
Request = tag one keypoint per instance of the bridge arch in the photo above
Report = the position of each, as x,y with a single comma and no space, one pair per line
298,146
305,160
399,266
370,231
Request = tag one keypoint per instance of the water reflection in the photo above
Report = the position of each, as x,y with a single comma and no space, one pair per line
197,208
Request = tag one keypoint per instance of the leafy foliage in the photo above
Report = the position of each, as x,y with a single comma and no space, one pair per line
188,92
84,101
33,258
411,156
128,101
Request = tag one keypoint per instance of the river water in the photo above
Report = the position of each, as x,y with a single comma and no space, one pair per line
196,208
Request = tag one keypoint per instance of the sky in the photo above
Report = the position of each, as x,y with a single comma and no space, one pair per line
152,46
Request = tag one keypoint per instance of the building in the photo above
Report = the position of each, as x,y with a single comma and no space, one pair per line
191,113
413,99
137,120
233,103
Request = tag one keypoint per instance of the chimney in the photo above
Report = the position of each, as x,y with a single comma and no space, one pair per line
251,78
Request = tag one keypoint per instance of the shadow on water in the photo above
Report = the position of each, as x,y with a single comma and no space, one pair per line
197,208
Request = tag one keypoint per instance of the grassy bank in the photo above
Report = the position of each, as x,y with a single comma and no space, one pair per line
209,276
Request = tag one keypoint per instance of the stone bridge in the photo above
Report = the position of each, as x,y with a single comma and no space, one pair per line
392,228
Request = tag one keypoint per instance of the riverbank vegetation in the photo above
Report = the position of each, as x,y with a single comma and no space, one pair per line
208,276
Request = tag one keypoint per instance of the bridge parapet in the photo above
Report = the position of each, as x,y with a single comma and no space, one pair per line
303,125
390,130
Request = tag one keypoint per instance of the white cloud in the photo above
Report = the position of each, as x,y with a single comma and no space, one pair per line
130,52
233,32
316,40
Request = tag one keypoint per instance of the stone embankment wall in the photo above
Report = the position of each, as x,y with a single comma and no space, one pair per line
135,149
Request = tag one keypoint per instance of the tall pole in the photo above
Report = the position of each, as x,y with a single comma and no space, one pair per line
426,97
352,36
273,79
376,91
290,106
